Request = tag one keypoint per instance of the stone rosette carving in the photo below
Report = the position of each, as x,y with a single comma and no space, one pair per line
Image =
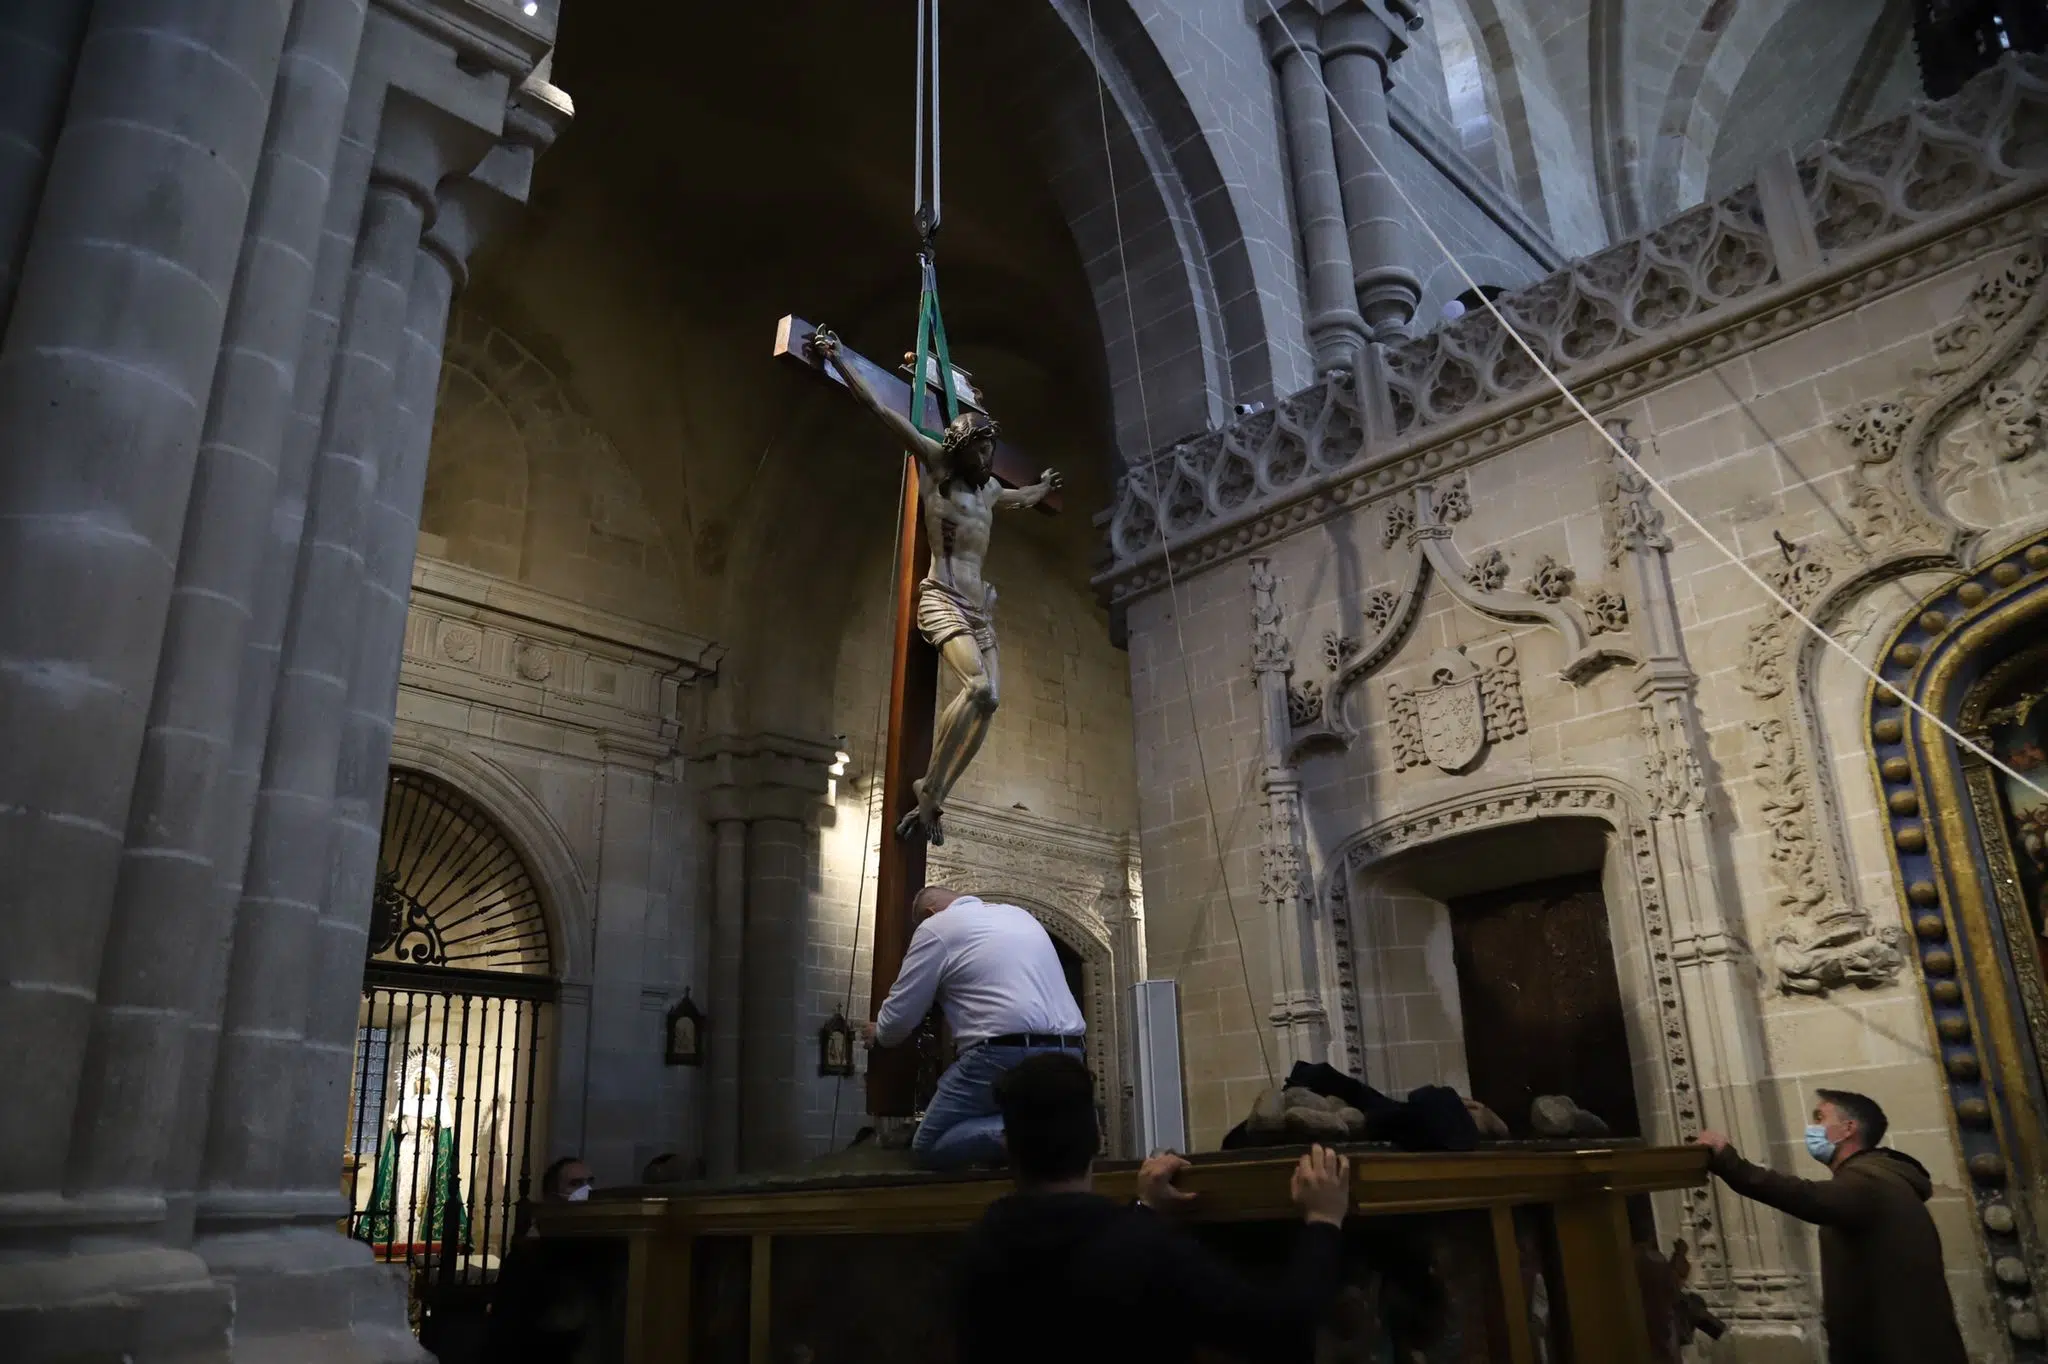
1449,723
1380,605
1338,649
1606,611
1304,703
1551,580
1395,523
1454,502
1488,572
460,644
532,662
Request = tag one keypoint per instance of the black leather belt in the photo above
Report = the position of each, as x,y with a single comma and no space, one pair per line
1049,1041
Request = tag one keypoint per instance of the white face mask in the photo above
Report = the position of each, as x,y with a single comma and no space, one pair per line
580,1194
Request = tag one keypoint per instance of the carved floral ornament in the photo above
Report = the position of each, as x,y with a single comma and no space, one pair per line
1921,453
1316,706
1644,313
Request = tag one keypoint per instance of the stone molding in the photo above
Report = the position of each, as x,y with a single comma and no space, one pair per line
763,776
482,639
1936,184
493,32
1987,377
1421,524
1521,802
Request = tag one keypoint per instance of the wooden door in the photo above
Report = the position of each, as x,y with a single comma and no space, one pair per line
1541,1003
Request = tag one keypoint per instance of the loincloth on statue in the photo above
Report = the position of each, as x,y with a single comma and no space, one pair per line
943,613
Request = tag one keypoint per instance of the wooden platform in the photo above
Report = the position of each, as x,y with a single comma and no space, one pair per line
821,1269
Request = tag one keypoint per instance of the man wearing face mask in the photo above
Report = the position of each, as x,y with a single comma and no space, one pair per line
1884,1296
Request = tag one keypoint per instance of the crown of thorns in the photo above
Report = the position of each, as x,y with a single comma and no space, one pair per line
966,427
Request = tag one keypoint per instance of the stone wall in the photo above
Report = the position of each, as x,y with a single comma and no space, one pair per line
1500,625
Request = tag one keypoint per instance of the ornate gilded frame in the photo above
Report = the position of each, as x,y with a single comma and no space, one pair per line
1944,832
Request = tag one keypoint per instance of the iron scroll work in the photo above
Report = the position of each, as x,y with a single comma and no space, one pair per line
457,995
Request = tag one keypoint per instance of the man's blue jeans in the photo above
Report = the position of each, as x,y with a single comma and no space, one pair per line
961,1124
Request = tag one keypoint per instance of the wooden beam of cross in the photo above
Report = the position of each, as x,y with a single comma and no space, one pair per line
913,701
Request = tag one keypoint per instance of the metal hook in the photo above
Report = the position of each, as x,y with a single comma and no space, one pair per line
1785,547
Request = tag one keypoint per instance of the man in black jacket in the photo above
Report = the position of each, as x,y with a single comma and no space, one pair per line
1058,1272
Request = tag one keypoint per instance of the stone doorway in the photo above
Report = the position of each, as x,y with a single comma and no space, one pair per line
1540,1002
1507,962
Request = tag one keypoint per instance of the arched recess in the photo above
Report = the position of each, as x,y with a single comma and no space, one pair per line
1157,228
1636,885
1087,938
1960,888
1636,907
532,831
524,486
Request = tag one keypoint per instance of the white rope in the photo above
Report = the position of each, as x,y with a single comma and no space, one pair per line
1621,451
1172,588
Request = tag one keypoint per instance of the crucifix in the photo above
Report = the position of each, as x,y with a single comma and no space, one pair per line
952,487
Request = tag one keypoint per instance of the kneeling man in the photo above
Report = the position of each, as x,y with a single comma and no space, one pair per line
993,970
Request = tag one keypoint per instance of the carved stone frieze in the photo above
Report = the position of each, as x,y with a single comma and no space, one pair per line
483,640
1390,611
1672,777
1630,521
1643,313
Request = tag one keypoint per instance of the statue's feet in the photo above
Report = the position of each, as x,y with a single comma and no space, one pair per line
926,820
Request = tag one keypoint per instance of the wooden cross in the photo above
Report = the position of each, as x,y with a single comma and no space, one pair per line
913,700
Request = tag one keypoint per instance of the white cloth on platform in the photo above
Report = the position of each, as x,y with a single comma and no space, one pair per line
993,970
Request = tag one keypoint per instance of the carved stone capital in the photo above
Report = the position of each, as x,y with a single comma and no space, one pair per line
763,776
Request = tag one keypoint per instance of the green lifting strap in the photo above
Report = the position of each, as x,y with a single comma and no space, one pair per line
931,337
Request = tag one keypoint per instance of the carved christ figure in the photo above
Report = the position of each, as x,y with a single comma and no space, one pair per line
955,605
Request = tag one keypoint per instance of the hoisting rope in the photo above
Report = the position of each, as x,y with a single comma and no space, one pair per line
931,326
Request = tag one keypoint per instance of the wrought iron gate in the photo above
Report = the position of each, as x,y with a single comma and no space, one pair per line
457,994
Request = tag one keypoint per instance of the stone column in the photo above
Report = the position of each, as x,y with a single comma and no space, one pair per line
109,354
770,1095
1298,1016
1335,330
722,1038
273,959
1361,40
772,787
38,45
320,330
1745,1254
168,916
468,209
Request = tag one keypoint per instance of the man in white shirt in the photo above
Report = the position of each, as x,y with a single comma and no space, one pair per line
993,970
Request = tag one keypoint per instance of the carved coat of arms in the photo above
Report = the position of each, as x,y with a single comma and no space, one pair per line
1450,711
1448,723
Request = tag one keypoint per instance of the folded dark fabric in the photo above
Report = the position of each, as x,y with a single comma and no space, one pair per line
1431,1118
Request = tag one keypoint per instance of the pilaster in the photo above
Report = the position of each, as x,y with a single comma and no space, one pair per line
1299,1015
763,794
1749,1266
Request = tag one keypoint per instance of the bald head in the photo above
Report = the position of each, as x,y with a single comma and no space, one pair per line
930,901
